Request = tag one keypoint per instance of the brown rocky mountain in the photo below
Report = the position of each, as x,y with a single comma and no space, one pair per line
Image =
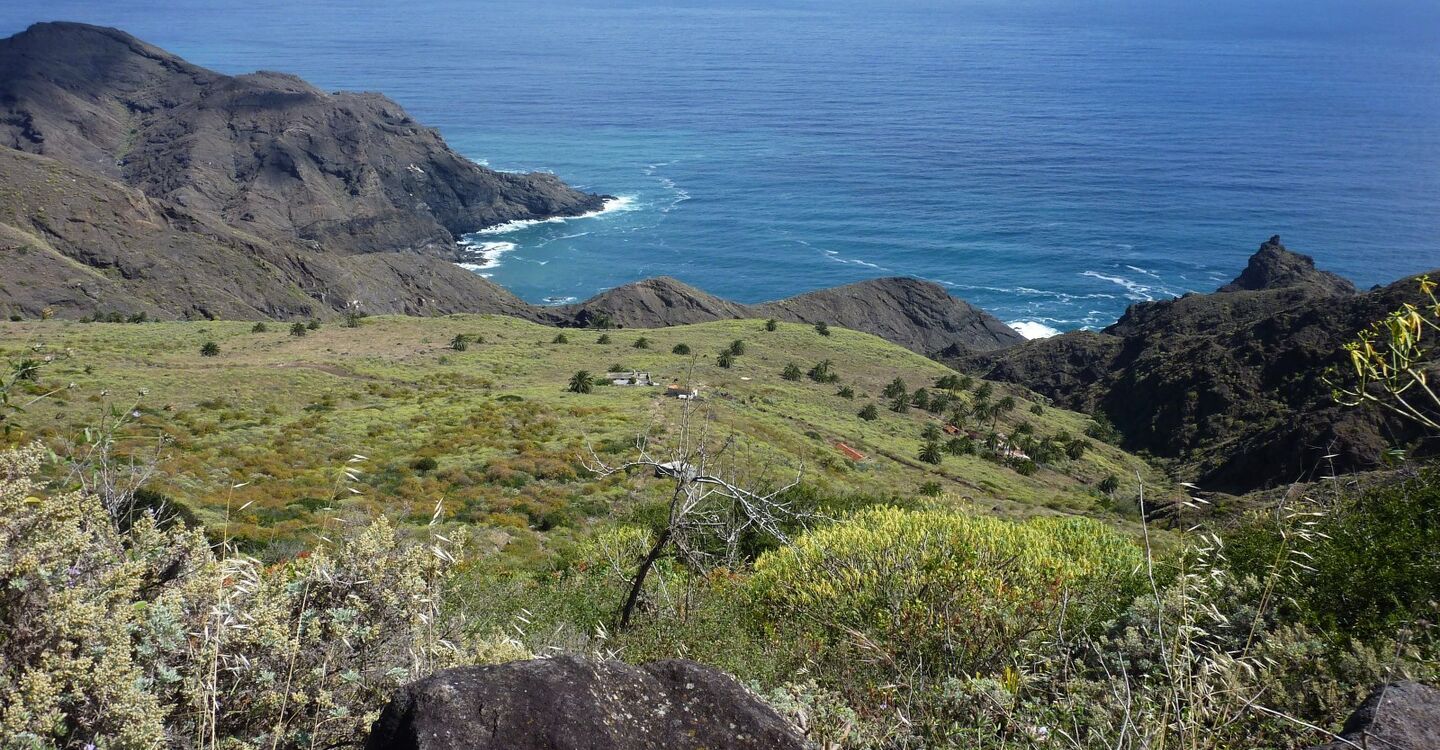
137,182
267,153
1231,385
80,244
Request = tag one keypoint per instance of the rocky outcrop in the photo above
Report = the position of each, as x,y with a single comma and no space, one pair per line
569,703
652,303
1397,716
266,153
918,315
1230,386
1274,267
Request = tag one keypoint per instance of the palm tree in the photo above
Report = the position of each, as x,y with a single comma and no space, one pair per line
582,382
931,454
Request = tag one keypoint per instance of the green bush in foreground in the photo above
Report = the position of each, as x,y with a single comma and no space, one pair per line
147,637
1372,561
942,591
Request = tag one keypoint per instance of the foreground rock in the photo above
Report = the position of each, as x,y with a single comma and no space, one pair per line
572,704
1397,716
1231,386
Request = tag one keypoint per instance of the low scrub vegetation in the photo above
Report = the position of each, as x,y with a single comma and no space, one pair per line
914,590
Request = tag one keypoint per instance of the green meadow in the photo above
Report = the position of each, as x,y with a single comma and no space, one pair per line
255,439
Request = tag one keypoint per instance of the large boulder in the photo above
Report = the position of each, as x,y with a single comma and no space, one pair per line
569,703
1397,716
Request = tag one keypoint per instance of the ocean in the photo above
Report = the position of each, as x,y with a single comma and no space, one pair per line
1052,161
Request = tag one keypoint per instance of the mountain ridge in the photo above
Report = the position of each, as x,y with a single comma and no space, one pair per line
265,151
1232,387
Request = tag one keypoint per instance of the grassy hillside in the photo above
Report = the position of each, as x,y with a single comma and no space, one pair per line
257,436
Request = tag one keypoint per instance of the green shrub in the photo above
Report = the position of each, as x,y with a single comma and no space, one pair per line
604,339
725,359
771,325
460,343
313,325
581,382
822,328
869,413
945,592
1102,429
791,372
560,338
1371,563
846,392
960,445
424,464
297,329
259,328
737,347
136,638
210,349
641,343
824,372
930,452
681,349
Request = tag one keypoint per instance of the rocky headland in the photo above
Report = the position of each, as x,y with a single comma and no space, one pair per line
1232,387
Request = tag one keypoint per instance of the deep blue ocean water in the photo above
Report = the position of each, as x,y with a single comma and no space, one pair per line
1050,160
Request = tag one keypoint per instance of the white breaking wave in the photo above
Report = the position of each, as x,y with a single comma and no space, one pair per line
1031,329
1137,291
614,205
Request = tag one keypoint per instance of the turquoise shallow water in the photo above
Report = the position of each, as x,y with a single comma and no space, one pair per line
1052,161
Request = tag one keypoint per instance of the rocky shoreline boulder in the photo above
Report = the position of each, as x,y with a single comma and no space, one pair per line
569,703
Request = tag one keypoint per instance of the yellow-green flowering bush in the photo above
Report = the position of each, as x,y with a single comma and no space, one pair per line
71,595
148,637
943,592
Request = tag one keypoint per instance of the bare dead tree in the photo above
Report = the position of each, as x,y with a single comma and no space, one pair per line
714,501
101,467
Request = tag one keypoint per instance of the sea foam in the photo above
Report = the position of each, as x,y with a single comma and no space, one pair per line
614,205
1031,329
